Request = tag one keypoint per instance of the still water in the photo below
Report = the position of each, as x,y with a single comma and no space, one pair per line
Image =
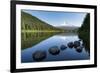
32,42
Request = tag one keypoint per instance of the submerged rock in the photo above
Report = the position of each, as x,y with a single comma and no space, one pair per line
63,47
54,50
70,44
76,44
39,55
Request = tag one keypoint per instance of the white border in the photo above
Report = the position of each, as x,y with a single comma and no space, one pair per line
20,65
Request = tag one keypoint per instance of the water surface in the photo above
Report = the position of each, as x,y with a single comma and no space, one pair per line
31,42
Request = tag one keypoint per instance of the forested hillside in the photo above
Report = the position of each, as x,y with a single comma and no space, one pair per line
32,23
86,24
84,32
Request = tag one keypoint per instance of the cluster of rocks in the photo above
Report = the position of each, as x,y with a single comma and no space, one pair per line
77,45
41,55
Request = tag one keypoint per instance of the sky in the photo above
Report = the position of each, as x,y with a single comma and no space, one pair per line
59,18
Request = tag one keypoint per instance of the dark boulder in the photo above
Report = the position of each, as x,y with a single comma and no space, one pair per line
70,44
76,44
39,55
54,50
79,49
63,47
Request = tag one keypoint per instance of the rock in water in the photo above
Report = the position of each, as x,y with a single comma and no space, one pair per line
63,47
54,50
70,44
79,49
39,55
76,44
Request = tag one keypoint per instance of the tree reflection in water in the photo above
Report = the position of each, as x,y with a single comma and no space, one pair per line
29,39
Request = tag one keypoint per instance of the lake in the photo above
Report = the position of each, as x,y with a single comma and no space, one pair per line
45,43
